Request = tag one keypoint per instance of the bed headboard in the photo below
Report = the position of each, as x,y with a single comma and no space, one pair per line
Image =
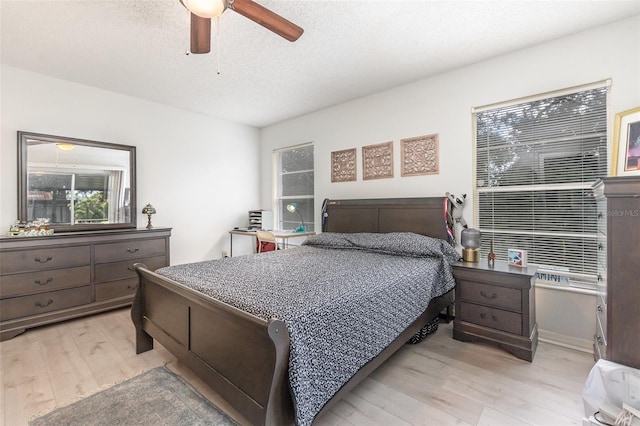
424,216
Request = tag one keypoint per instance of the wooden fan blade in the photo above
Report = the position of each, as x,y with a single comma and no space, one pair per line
267,19
200,34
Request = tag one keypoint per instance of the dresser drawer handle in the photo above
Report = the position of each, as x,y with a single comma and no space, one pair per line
493,317
37,259
133,250
486,296
44,283
40,305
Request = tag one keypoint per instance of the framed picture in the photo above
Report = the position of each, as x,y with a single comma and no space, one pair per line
419,155
343,165
517,257
626,143
377,161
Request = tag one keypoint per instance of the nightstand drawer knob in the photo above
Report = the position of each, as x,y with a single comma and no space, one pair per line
487,296
493,317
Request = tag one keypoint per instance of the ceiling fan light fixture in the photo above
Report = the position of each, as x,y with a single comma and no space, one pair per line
205,8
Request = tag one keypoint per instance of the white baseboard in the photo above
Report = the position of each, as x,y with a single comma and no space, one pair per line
576,343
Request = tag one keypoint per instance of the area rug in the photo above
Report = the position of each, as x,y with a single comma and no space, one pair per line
156,397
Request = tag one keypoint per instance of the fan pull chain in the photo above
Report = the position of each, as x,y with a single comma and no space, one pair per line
188,51
218,43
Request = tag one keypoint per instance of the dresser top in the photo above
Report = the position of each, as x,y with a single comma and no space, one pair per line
499,266
83,236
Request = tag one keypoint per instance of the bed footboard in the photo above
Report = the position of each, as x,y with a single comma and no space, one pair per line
242,357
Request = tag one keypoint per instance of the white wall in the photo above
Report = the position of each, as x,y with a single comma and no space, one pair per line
442,104
186,162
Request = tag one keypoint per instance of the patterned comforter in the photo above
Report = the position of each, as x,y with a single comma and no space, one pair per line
344,298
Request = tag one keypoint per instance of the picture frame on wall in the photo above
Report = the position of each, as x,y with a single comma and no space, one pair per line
419,155
377,161
625,159
343,165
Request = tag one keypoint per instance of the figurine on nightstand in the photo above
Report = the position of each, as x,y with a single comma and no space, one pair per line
491,257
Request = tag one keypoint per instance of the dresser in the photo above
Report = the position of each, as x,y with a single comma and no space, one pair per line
496,305
617,334
55,278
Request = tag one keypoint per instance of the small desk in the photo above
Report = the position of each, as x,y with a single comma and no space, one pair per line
279,234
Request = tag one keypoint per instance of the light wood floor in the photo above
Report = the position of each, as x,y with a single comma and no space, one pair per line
437,382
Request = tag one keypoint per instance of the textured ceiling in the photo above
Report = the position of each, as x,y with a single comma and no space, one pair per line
349,48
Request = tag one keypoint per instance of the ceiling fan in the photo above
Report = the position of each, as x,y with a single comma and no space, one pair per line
203,10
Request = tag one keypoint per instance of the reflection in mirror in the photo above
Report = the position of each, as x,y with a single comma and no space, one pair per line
76,184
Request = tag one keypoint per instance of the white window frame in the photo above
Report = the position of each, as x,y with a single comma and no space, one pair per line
552,276
277,185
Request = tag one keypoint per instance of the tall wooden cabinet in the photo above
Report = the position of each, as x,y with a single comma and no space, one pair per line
68,275
617,336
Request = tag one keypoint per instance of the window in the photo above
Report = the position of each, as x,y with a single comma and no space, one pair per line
294,184
536,161
67,197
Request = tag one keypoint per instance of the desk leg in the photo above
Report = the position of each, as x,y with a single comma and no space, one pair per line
230,245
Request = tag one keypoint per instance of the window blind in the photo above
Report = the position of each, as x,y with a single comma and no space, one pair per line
535,163
295,184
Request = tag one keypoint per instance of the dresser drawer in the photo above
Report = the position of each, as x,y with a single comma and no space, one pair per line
601,250
24,306
600,342
601,316
491,295
135,249
124,269
44,258
42,281
115,289
493,318
601,215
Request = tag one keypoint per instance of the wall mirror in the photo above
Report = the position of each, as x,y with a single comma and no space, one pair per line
76,184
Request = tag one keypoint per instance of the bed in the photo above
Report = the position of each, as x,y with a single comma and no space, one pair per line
278,344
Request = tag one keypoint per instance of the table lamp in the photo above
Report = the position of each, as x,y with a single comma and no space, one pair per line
149,210
470,240
293,207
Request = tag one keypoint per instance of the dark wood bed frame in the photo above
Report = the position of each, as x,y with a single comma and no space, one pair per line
245,358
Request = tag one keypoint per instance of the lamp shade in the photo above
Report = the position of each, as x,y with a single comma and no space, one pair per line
470,238
292,207
148,209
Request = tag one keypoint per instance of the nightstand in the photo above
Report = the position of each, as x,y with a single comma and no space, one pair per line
496,305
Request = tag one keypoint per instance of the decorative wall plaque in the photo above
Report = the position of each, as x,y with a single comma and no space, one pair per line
377,161
343,165
419,156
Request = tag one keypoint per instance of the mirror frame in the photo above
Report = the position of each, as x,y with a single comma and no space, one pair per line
23,168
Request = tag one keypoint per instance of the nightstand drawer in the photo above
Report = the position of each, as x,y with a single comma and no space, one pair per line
491,295
493,318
